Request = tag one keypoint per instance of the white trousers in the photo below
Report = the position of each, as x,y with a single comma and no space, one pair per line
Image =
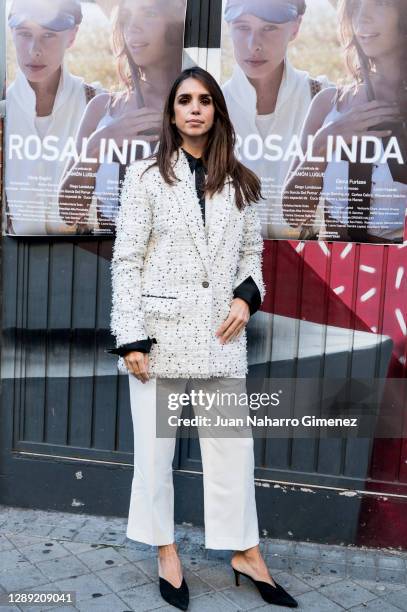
230,514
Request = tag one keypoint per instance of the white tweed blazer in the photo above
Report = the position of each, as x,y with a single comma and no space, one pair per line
172,282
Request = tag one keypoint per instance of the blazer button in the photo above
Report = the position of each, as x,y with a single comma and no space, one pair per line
205,284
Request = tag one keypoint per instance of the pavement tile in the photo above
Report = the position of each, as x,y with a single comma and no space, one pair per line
65,567
43,551
9,559
134,555
197,563
379,587
5,543
333,555
333,569
101,558
113,538
122,577
106,603
62,533
142,598
278,547
86,535
38,529
213,602
397,598
393,563
314,601
245,597
316,581
22,578
376,605
307,551
196,585
275,562
149,566
362,572
363,559
87,586
219,577
22,539
304,565
294,585
347,593
79,547
388,575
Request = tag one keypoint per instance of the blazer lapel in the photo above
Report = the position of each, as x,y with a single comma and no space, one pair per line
186,195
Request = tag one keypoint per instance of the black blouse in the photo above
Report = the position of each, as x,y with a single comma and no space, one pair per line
247,290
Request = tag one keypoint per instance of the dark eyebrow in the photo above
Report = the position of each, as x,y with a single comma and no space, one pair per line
202,95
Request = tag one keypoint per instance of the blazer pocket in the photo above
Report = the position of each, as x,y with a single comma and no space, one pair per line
162,307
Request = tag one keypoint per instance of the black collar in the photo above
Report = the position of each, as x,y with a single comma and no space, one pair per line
194,162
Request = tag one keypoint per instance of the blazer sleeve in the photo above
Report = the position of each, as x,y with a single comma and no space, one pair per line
251,251
133,229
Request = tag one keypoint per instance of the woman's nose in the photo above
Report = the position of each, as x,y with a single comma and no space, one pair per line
35,47
196,107
254,42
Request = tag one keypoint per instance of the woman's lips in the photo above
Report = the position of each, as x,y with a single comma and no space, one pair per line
255,63
367,37
36,67
137,46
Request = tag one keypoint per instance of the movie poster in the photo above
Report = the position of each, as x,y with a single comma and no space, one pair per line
86,84
300,89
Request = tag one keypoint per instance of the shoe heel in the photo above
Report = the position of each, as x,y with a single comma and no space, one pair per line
237,577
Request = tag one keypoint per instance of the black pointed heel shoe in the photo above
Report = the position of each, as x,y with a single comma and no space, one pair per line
178,597
272,595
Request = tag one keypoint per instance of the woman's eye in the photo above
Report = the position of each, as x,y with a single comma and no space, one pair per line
206,101
270,28
151,13
183,101
242,28
24,34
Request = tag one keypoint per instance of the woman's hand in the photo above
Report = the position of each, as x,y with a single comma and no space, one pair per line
137,364
142,123
238,317
358,121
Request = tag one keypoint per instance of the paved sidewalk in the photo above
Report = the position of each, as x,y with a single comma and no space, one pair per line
90,555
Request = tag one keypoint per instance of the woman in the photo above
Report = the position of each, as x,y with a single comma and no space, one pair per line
186,276
147,42
359,196
267,95
45,100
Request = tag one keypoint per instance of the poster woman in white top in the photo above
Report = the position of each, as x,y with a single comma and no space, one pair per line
147,42
45,99
374,104
267,95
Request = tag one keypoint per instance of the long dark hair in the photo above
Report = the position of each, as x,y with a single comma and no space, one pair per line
130,74
359,65
219,156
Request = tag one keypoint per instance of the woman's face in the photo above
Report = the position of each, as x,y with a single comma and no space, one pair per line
260,46
40,52
194,110
144,29
375,24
